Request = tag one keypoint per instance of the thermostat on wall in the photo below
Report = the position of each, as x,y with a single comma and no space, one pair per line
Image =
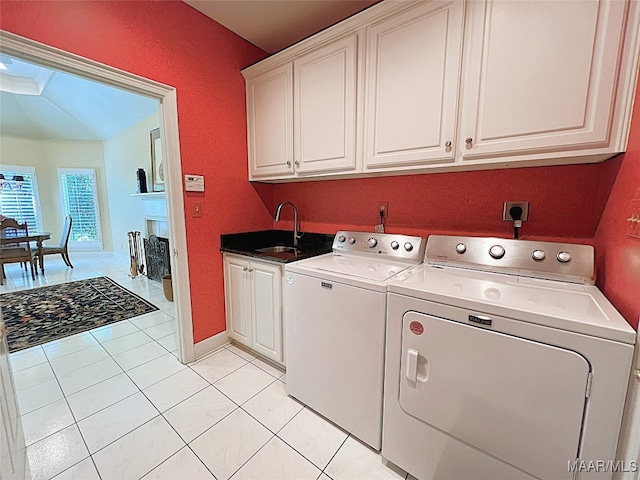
194,183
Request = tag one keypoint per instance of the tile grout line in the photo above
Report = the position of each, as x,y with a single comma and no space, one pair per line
208,383
76,421
334,455
131,431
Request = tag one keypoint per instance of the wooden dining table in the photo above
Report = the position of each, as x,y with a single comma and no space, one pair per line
8,237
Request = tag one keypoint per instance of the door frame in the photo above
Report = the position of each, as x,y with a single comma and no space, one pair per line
45,55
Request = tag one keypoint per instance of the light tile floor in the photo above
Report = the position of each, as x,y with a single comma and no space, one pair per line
115,403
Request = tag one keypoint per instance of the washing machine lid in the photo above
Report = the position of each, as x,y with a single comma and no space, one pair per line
361,268
566,306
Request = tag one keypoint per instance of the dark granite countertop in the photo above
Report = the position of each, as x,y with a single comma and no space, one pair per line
247,243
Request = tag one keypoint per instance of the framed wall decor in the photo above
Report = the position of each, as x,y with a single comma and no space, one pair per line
157,165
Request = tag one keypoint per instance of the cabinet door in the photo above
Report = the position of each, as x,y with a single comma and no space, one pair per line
325,107
237,304
266,302
270,123
541,76
413,75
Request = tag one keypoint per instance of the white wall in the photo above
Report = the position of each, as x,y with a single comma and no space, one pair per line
115,160
124,153
46,156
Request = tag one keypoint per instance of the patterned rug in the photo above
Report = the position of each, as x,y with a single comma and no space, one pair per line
39,315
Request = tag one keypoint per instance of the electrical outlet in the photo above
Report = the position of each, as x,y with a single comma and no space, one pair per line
383,207
506,216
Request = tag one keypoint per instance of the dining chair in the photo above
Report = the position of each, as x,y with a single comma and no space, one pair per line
18,251
63,249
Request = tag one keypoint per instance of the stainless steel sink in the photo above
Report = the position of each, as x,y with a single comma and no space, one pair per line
277,249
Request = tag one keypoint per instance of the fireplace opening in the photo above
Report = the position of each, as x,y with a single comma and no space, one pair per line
157,257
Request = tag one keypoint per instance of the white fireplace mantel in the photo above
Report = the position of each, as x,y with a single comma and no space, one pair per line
154,212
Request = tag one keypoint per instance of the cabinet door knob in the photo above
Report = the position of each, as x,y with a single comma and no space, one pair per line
288,163
244,269
297,163
469,142
251,270
448,146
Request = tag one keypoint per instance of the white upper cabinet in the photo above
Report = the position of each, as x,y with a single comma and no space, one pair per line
325,108
445,85
412,86
270,123
540,77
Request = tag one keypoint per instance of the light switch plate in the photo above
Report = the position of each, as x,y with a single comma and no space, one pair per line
194,183
197,210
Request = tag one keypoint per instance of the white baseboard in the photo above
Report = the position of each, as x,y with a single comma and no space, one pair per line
208,345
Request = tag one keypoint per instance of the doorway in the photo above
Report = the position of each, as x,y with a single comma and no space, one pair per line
40,54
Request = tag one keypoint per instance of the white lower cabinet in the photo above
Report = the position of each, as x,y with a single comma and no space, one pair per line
253,301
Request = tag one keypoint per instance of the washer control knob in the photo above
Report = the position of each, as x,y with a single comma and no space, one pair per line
395,245
538,255
341,238
564,257
461,248
497,251
372,242
408,246
351,240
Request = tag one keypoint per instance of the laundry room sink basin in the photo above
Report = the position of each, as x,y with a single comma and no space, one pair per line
276,249
276,245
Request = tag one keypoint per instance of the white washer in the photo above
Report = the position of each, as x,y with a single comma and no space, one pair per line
517,374
334,314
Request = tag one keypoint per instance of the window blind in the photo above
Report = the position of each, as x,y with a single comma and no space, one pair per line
20,204
78,188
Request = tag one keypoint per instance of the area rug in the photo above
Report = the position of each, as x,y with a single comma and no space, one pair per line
40,315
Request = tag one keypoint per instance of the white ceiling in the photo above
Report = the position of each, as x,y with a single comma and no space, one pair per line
275,24
41,103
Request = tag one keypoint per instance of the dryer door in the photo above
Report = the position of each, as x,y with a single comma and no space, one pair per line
518,400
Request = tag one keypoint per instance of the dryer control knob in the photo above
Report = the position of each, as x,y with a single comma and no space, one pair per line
538,255
461,248
564,257
408,246
372,242
395,245
341,238
352,240
497,251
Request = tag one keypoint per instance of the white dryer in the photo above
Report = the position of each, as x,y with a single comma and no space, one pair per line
334,314
503,361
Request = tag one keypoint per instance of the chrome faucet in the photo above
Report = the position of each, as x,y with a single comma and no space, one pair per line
296,234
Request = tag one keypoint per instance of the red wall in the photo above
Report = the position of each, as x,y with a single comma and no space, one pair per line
618,254
566,204
174,44
565,201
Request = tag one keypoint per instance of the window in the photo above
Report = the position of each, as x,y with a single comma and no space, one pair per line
80,200
23,203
